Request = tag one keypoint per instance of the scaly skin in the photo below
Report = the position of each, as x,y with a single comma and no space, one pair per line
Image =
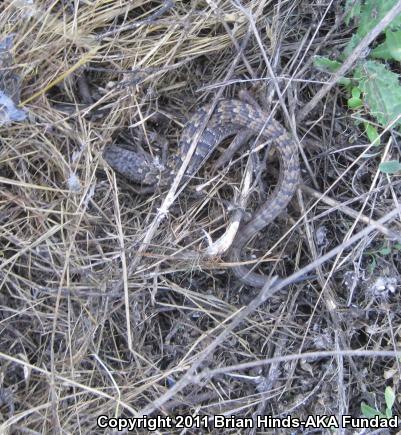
228,118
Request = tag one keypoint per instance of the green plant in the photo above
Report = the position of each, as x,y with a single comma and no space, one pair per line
390,167
389,397
384,251
372,85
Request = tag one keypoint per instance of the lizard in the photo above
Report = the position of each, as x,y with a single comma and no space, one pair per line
229,117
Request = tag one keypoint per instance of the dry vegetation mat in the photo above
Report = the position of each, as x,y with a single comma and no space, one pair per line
104,308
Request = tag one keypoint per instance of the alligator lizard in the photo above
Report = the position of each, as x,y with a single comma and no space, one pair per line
228,118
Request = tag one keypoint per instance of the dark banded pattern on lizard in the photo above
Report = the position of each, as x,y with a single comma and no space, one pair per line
228,118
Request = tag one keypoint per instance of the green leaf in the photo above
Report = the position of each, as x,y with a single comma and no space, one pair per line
330,66
381,92
368,411
390,48
381,52
393,41
397,246
356,92
370,13
354,10
372,134
372,265
325,64
390,167
352,43
345,81
384,251
354,103
389,397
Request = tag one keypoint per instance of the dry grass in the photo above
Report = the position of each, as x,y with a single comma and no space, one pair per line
92,321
